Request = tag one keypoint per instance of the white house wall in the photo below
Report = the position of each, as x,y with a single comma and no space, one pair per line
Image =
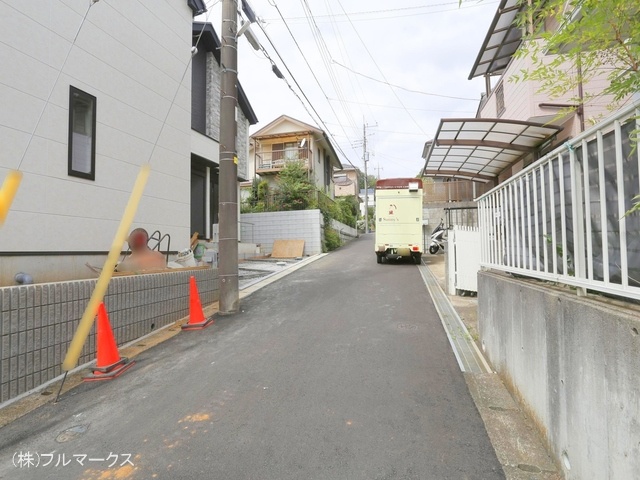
286,127
205,147
131,58
316,163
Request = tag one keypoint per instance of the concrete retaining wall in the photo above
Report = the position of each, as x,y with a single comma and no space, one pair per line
575,364
459,213
345,232
264,228
38,321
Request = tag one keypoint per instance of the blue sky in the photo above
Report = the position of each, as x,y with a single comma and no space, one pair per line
398,67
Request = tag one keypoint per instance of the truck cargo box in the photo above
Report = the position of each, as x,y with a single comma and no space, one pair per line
398,219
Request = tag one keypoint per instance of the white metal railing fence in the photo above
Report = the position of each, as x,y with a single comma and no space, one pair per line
563,217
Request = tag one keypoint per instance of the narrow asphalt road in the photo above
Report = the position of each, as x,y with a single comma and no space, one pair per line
340,370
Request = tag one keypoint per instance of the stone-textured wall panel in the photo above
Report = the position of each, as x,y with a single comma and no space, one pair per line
37,322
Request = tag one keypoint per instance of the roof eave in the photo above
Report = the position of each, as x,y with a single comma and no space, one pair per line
207,36
506,6
198,7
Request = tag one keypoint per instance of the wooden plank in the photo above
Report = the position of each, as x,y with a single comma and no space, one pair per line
287,248
194,240
160,270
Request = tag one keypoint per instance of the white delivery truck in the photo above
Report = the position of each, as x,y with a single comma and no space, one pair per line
399,219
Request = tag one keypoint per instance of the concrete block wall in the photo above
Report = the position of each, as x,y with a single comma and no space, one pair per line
37,322
264,228
431,216
574,363
346,232
461,213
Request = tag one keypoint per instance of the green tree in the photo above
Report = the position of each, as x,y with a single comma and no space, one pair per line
258,197
371,181
294,187
372,217
593,36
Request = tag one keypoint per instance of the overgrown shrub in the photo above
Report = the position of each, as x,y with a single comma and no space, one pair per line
258,198
294,191
347,211
331,239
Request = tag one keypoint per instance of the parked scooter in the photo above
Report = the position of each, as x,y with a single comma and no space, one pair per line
438,238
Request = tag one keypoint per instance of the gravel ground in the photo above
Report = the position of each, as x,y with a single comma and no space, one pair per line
252,271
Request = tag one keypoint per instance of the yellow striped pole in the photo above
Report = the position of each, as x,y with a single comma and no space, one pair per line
84,327
8,192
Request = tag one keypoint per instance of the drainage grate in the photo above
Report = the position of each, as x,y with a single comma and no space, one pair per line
467,353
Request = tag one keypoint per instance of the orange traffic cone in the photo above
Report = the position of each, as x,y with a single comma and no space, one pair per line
109,365
197,320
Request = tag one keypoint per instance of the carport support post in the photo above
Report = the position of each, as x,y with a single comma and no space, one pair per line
228,202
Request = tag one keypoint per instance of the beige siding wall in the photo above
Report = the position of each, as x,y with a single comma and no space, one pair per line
346,190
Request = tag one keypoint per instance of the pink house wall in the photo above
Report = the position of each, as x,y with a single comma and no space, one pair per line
522,100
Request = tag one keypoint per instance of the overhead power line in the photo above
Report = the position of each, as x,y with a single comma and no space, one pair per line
315,114
388,131
364,44
401,108
404,88
327,59
384,14
354,82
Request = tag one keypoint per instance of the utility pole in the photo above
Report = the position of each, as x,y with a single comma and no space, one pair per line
381,168
228,201
365,159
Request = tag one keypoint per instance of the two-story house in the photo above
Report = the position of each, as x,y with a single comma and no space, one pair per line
515,123
346,182
81,116
286,139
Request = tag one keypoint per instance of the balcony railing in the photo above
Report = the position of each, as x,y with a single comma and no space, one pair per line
563,218
276,160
